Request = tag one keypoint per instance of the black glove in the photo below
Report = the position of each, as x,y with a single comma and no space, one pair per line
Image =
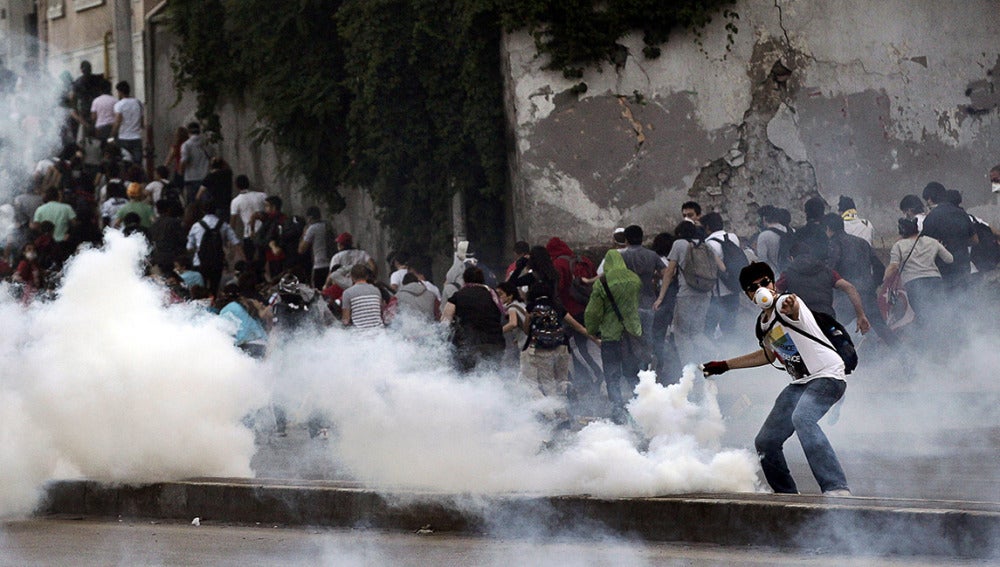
714,367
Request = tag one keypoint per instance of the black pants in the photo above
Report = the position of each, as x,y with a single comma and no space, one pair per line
212,279
319,277
618,364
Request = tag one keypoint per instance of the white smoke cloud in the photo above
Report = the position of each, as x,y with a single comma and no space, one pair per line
403,418
107,382
113,385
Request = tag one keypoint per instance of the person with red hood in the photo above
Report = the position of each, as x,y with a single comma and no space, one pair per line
563,259
587,373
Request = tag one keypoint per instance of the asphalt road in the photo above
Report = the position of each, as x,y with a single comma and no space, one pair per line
84,543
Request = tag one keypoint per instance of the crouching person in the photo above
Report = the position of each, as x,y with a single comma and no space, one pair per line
795,340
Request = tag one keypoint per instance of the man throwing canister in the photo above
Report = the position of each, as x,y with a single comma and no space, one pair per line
788,333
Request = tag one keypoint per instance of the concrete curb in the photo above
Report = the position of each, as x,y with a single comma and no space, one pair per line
835,525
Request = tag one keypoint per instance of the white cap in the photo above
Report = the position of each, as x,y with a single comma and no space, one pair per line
619,235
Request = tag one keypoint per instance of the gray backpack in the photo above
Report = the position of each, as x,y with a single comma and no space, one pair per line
700,270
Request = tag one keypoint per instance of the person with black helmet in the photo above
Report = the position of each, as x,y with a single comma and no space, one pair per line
295,306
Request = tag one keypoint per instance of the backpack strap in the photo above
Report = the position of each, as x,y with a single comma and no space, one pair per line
761,333
914,247
529,335
718,281
787,325
614,304
520,310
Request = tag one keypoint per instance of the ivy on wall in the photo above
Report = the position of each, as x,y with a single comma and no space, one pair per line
402,97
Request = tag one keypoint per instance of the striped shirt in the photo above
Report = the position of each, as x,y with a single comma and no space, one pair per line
365,302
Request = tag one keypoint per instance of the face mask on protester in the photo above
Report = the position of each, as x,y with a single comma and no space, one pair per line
764,298
30,256
996,186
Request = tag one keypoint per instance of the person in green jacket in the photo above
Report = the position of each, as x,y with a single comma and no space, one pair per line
602,321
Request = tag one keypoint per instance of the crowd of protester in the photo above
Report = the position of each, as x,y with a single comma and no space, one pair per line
566,326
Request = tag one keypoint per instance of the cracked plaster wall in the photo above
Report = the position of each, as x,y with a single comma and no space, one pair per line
870,99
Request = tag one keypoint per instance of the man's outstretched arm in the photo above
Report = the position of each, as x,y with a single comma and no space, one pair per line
749,360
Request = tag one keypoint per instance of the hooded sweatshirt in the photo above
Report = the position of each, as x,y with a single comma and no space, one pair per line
624,285
561,254
415,298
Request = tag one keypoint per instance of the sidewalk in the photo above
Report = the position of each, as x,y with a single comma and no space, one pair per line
865,526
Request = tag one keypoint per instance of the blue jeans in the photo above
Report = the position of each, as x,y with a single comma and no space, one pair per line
797,410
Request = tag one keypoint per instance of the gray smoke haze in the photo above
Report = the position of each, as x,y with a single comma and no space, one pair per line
30,121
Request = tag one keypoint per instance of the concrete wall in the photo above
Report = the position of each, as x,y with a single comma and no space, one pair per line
870,99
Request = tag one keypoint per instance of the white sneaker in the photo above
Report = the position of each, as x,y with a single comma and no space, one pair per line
838,492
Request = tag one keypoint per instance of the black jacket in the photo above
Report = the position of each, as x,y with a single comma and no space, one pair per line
953,227
811,280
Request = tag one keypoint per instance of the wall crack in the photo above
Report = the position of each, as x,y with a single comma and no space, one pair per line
640,136
781,23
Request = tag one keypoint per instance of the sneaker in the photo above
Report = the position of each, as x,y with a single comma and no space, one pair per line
838,492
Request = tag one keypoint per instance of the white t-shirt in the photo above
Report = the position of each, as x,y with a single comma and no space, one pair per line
803,358
155,190
433,289
245,205
315,236
346,259
862,228
349,258
131,111
396,279
104,107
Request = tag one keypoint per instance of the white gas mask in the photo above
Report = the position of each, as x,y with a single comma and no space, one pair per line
764,298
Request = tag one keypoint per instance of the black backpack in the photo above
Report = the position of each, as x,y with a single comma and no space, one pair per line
211,251
985,254
289,233
547,329
580,267
832,330
171,193
290,312
735,260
